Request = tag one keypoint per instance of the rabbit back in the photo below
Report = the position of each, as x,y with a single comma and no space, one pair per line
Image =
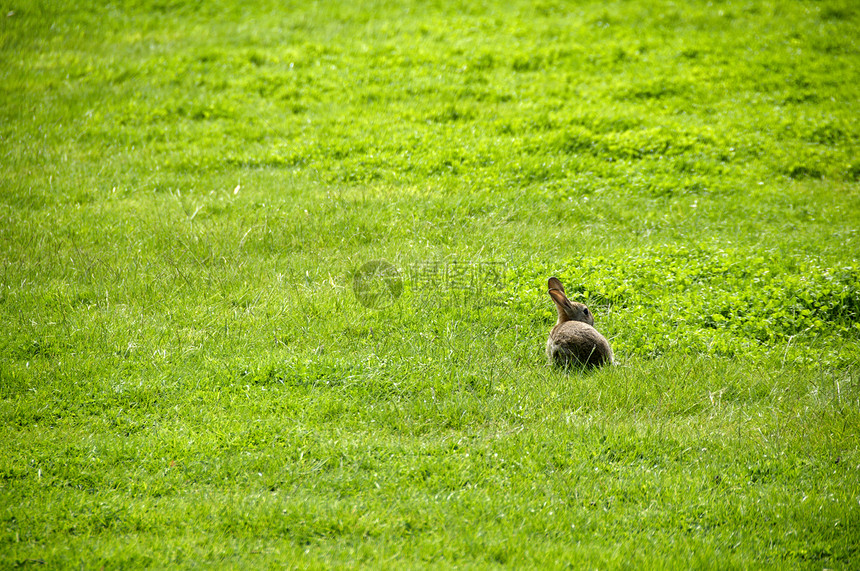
578,343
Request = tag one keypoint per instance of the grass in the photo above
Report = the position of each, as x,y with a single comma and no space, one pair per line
188,380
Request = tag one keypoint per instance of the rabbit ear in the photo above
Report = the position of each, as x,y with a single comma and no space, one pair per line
559,298
554,283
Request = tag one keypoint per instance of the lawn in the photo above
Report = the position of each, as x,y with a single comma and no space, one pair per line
191,375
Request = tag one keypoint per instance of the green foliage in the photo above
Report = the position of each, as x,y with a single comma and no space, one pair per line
188,188
708,300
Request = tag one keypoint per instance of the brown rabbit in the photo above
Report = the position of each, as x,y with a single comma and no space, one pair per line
573,340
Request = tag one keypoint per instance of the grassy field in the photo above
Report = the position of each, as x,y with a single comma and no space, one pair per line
187,192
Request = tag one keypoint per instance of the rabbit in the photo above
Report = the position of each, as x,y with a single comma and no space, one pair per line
573,340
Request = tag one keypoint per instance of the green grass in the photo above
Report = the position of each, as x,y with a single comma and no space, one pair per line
187,379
